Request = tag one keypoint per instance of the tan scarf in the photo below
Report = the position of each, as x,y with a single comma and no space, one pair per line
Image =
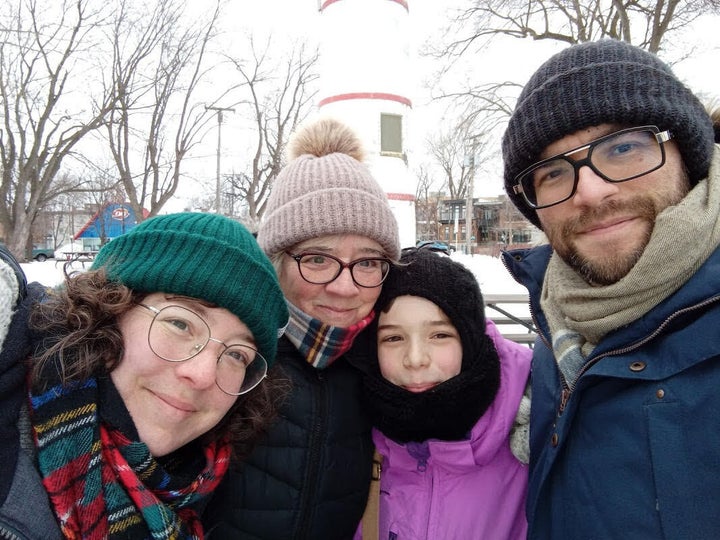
684,236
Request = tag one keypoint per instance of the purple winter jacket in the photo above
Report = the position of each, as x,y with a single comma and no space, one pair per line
470,489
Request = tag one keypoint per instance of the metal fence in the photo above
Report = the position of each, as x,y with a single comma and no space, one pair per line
511,313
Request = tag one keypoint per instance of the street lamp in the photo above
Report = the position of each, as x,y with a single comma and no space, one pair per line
220,111
469,213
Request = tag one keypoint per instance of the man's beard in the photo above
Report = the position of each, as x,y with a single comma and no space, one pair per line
671,185
614,266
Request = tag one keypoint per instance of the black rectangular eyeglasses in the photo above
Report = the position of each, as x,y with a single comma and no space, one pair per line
618,157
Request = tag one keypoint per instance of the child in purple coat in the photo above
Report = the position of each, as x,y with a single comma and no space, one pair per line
443,388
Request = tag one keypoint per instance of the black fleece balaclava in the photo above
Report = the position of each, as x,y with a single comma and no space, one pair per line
449,410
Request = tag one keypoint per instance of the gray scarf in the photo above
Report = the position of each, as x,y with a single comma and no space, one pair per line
684,236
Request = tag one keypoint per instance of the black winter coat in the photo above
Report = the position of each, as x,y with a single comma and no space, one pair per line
309,477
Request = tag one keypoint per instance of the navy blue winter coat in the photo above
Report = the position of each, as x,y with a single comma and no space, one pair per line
633,450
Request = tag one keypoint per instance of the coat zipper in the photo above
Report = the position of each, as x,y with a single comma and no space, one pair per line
312,473
7,533
537,328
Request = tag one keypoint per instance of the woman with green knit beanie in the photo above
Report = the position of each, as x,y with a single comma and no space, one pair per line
149,373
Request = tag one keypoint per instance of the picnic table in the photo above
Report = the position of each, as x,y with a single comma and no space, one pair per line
78,256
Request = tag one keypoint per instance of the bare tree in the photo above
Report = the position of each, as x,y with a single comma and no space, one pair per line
447,150
426,204
47,228
44,51
279,97
646,23
158,64
458,151
649,24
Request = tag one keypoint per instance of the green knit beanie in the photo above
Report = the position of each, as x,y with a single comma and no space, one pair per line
204,256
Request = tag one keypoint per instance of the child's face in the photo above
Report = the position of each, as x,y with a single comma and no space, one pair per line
418,347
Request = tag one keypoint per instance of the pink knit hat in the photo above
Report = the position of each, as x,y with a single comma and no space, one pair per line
326,190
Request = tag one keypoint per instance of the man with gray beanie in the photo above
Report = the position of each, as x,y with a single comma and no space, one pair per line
614,159
331,235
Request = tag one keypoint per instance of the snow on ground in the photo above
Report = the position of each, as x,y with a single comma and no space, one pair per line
491,274
489,271
48,272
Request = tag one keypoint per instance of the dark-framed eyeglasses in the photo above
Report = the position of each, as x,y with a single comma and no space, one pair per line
618,157
321,268
177,334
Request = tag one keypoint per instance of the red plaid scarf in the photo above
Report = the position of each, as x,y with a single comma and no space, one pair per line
101,484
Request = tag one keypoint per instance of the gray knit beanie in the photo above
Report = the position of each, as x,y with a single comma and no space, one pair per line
603,82
326,190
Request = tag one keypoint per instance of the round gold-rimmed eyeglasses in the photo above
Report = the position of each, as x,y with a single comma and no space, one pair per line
177,334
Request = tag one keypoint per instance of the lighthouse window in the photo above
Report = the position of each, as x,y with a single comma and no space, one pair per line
391,133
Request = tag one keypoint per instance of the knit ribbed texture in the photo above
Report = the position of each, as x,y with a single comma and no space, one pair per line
449,410
324,191
204,256
585,313
9,292
603,82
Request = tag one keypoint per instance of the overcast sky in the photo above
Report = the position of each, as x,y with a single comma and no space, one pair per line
509,59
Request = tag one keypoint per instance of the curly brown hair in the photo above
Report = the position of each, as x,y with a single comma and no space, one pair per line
79,325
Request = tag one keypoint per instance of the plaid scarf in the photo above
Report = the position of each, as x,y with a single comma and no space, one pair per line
321,344
103,485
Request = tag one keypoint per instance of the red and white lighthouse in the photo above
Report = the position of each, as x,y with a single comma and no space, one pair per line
365,80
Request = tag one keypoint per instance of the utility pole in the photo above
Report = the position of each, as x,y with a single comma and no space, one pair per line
470,189
220,111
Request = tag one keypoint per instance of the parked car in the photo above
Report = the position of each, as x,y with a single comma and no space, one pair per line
435,245
42,254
